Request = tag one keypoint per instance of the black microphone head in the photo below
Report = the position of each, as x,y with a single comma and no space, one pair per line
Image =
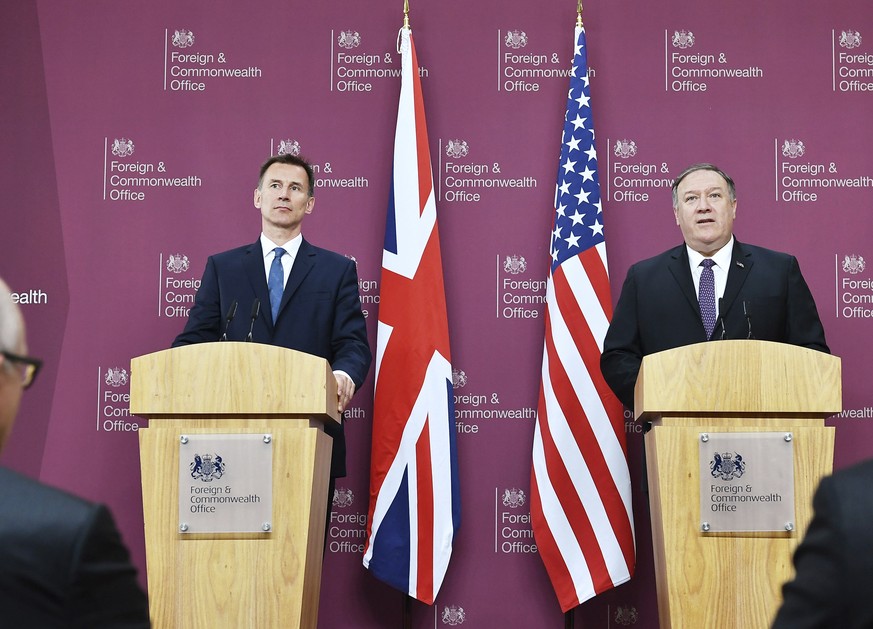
256,308
231,312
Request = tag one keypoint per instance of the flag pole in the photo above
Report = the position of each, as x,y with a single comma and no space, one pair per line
406,617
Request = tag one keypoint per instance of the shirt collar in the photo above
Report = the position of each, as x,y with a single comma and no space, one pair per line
722,257
291,247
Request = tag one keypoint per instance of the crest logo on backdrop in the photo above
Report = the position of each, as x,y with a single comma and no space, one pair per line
625,148
288,147
854,294
854,264
513,498
516,39
850,39
683,39
183,38
348,39
457,148
122,147
177,263
116,377
453,615
793,148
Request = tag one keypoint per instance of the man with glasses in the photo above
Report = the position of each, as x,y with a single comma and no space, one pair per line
62,560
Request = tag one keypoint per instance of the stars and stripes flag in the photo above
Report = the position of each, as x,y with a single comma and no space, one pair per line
415,507
580,484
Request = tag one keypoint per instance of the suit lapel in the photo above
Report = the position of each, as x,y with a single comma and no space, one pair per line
303,264
254,269
678,266
741,265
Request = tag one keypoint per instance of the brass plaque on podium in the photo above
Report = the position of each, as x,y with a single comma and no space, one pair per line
226,483
746,482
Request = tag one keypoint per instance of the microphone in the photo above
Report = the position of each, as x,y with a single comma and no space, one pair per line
256,310
721,319
231,313
748,312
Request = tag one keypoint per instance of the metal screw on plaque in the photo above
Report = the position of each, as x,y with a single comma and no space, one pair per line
267,528
183,439
704,437
704,527
789,526
788,436
268,438
183,527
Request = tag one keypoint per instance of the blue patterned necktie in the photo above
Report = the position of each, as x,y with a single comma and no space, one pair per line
706,296
276,282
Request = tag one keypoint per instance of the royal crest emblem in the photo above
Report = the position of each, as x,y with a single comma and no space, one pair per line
453,616
683,39
457,148
727,466
348,39
513,498
850,39
793,148
288,147
625,148
459,379
183,39
116,377
515,264
207,468
626,616
342,497
122,147
516,39
177,263
854,264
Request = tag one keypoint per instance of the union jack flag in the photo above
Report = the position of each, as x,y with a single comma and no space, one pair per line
415,507
580,484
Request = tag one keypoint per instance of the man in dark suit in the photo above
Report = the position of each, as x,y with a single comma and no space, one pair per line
308,295
752,292
834,562
62,561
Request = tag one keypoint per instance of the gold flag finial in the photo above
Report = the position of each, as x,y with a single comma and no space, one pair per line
578,13
406,14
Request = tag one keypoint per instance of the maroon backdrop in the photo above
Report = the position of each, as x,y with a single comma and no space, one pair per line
133,132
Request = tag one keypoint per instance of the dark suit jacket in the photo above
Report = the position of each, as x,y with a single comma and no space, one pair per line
62,562
658,310
834,562
320,313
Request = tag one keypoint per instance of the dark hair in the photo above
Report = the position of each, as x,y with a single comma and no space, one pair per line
293,160
732,190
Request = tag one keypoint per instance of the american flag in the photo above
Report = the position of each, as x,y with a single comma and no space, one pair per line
580,484
415,507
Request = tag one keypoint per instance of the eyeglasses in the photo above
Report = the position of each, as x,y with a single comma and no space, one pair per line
28,367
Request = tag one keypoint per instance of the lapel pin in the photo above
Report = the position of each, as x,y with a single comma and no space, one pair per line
741,265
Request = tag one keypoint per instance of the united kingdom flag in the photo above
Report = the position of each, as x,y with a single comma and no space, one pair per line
415,506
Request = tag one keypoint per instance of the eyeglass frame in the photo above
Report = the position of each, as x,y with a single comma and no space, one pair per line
31,367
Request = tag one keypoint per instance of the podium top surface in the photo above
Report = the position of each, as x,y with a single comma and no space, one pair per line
232,379
739,377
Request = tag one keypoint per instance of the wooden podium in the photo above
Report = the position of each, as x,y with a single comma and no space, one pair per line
729,579
256,579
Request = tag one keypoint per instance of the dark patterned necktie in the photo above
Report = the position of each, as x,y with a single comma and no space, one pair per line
276,282
706,296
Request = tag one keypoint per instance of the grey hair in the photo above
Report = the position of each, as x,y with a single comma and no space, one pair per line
11,323
732,190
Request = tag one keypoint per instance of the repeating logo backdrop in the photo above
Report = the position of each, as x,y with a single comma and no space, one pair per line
134,132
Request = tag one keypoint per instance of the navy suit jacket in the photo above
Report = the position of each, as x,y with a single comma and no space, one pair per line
320,313
658,310
834,562
62,562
